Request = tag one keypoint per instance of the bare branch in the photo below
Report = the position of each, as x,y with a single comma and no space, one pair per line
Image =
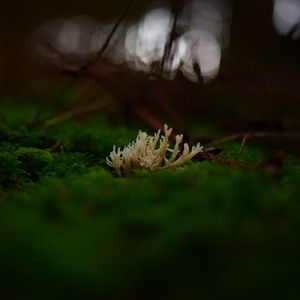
109,37
176,7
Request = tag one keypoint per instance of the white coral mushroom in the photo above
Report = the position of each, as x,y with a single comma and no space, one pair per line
143,153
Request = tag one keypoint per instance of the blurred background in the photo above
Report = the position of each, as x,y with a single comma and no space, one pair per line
228,61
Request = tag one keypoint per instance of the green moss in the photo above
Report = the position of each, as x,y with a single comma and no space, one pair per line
34,161
71,228
10,170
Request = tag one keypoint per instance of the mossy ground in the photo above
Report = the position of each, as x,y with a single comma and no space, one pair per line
70,227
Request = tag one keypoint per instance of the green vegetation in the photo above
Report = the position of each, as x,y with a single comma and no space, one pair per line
70,227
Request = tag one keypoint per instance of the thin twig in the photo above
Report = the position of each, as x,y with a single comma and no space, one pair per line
242,146
74,113
197,71
109,37
258,134
172,37
56,145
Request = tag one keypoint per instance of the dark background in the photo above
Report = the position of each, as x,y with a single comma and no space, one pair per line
259,75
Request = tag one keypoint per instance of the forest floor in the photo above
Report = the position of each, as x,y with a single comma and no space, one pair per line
71,227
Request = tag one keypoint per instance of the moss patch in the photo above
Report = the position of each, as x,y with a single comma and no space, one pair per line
71,227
